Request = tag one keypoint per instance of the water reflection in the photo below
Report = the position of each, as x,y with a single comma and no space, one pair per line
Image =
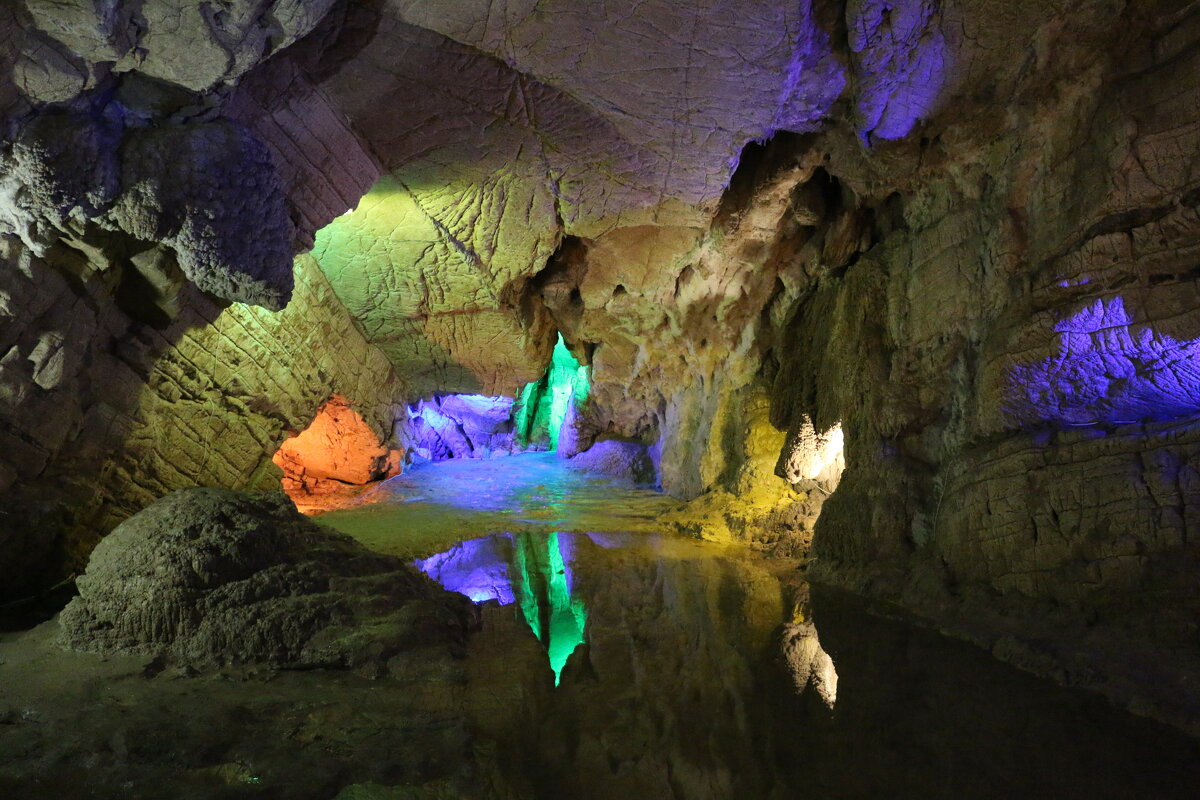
531,570
431,508
702,675
810,666
691,670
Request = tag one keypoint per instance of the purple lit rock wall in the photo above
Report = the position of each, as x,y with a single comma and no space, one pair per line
1109,370
1012,353
457,426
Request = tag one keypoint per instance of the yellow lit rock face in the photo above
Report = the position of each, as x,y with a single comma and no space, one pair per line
749,501
214,406
425,271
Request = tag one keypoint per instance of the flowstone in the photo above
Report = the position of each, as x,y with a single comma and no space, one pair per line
210,577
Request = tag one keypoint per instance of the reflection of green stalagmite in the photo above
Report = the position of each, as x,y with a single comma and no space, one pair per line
540,411
567,617
528,589
543,591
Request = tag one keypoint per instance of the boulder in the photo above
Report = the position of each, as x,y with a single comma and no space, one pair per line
627,461
210,577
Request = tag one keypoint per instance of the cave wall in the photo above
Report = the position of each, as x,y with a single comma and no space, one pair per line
965,233
1012,357
103,413
998,309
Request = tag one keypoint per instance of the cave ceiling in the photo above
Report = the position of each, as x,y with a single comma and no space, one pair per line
434,156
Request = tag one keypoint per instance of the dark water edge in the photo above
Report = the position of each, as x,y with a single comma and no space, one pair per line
710,672
696,671
923,715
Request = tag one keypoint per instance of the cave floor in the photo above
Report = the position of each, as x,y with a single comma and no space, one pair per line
688,670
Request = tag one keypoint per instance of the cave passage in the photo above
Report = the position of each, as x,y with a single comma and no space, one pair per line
726,399
448,426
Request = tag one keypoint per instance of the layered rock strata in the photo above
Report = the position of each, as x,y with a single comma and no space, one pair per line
104,412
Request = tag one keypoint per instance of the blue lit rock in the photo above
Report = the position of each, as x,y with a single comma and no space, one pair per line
457,426
626,461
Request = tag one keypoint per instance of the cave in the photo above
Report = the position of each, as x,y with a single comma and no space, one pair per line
739,399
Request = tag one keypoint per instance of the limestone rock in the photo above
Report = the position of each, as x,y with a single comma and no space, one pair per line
210,191
61,166
47,72
209,576
625,461
458,426
207,398
334,458
189,44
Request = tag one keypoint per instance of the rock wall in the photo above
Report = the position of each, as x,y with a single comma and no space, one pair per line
1011,357
457,426
963,235
998,310
102,412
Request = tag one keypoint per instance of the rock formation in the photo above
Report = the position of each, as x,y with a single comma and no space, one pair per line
627,461
209,577
960,239
334,458
458,426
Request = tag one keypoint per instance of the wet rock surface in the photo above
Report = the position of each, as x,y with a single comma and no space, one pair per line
627,461
210,577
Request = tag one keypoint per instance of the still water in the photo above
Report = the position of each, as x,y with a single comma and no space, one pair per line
617,661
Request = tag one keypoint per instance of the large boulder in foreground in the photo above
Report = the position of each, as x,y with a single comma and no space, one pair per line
210,577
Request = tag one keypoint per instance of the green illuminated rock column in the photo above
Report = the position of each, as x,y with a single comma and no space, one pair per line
543,591
542,413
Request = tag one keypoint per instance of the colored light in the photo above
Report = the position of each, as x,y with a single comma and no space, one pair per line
1108,370
532,570
477,568
542,410
568,617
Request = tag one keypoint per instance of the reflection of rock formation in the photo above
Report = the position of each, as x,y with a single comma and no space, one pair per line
477,568
333,458
809,664
665,700
532,570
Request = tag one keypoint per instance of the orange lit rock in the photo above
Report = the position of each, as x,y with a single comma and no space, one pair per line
334,459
